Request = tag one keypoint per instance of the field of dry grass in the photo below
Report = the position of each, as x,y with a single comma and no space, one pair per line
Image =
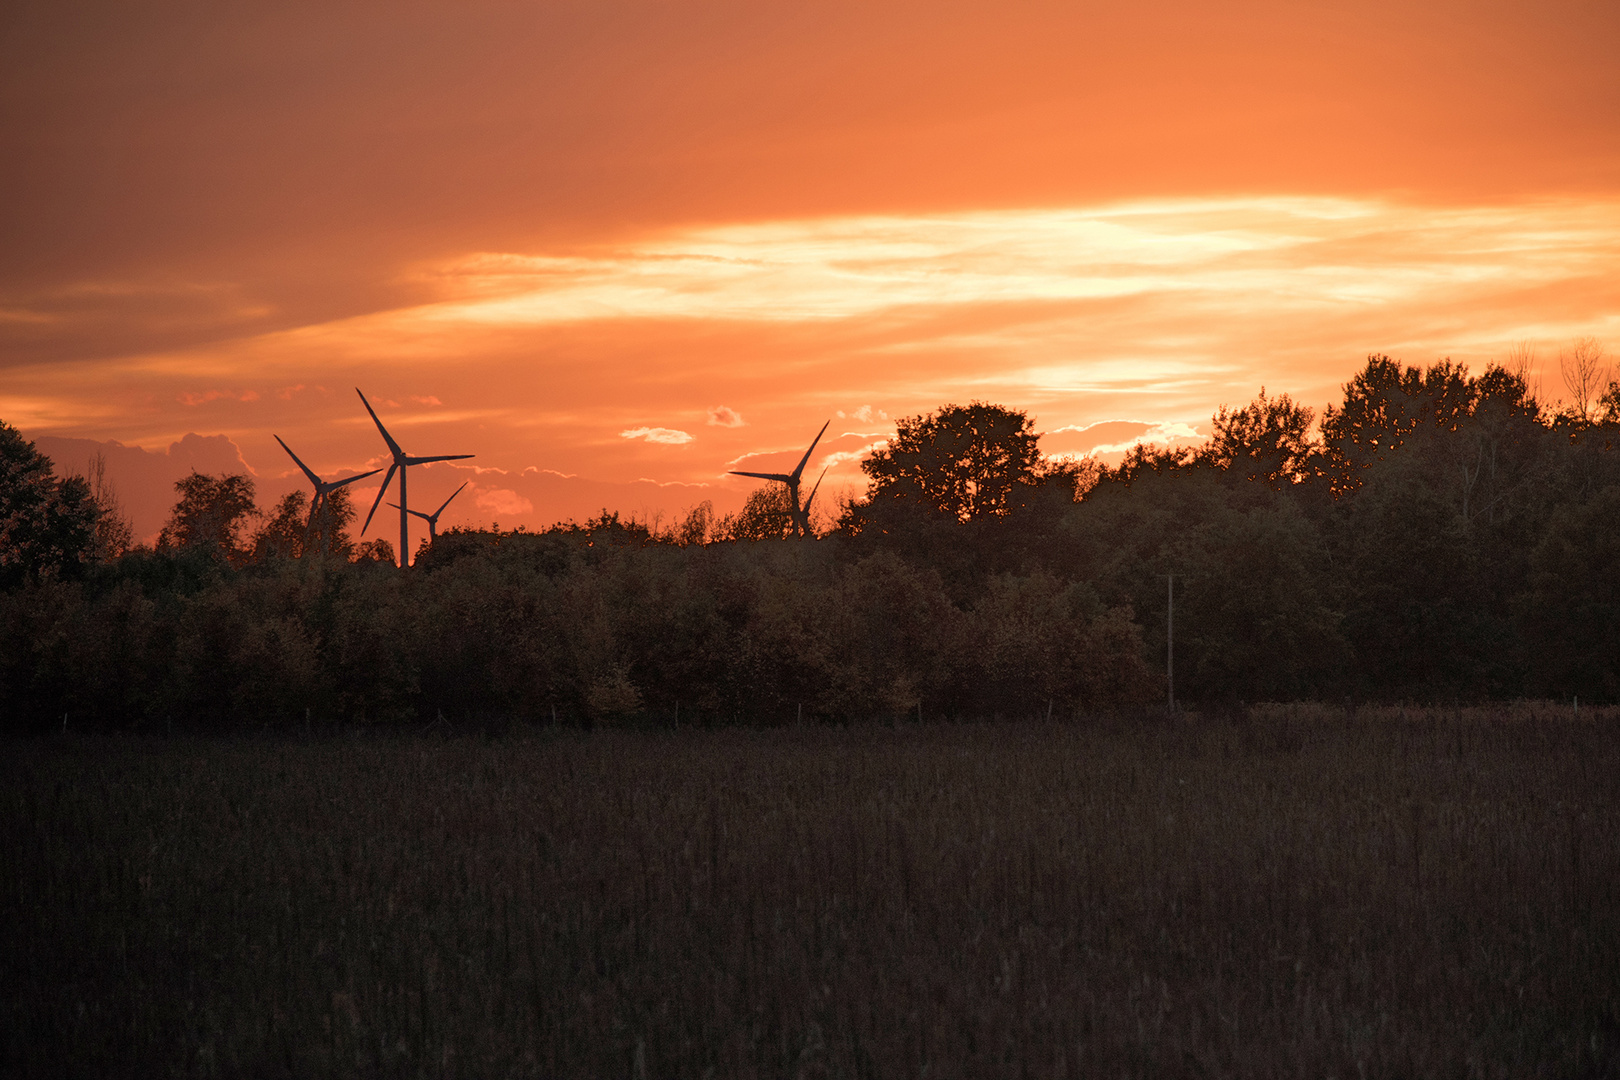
1297,892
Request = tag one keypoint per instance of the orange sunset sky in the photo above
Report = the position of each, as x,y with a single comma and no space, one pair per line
615,249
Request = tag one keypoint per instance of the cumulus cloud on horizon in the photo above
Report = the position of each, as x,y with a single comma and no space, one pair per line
722,416
504,501
1113,436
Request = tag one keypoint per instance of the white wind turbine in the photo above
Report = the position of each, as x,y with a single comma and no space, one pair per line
323,488
401,462
800,516
433,518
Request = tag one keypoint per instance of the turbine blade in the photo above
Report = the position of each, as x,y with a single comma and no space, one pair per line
335,484
389,439
378,502
446,502
442,457
813,491
413,513
810,451
312,477
783,478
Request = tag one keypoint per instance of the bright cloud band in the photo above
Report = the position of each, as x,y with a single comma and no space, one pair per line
1255,253
1110,324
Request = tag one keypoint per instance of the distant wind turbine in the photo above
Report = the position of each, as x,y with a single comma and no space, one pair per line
433,518
401,462
323,488
801,516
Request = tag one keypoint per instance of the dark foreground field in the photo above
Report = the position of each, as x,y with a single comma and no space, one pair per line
1295,893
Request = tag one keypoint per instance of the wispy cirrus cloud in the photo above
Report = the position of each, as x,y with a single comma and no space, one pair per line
1157,311
1256,254
667,436
1113,436
195,398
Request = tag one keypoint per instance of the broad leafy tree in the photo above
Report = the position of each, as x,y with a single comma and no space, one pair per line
47,525
964,490
1385,405
283,532
329,527
214,514
766,515
962,463
292,530
1267,441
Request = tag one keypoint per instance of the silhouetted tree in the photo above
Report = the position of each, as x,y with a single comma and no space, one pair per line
1499,452
293,531
283,531
1462,546
1144,459
961,463
609,530
114,536
329,527
1268,440
374,551
696,528
1385,404
1584,375
213,514
1573,606
766,515
47,525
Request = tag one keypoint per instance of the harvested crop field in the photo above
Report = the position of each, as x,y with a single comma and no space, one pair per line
1294,891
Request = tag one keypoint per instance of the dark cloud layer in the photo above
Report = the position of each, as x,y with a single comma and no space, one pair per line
186,172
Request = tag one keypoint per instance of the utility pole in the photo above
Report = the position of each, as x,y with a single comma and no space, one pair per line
1170,640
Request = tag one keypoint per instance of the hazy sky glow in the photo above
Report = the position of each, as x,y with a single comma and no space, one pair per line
615,253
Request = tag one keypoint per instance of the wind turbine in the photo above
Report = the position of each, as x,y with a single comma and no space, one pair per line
433,518
401,462
812,497
801,517
322,487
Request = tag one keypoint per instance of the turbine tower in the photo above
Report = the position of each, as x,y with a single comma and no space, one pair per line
801,516
322,487
433,518
401,462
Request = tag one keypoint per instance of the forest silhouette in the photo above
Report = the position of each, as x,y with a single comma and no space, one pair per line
1437,536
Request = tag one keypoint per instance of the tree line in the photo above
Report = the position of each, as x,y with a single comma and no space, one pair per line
1434,536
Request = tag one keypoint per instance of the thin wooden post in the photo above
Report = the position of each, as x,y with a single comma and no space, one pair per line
1170,640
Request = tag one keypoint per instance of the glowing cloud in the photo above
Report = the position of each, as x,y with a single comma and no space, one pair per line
1157,311
657,435
1107,437
504,501
194,399
1245,253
